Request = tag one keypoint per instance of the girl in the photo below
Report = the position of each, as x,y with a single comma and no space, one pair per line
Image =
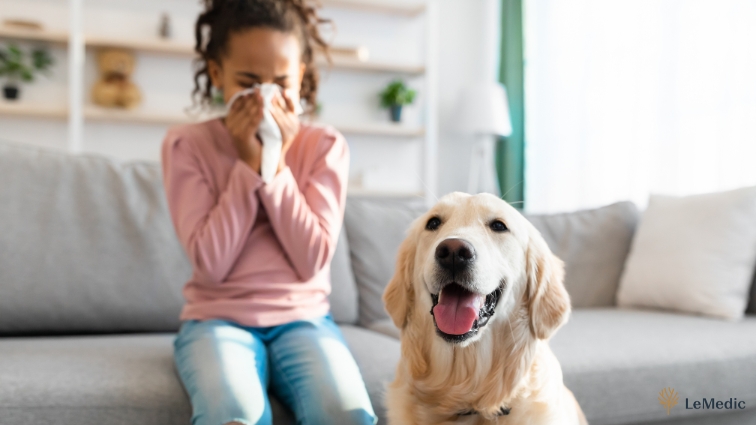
257,307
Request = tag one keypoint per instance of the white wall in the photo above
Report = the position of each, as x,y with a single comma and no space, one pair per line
467,54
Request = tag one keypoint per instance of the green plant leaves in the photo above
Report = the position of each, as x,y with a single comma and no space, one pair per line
397,93
15,64
41,59
15,53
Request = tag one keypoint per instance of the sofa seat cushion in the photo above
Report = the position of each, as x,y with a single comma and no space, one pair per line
617,361
131,379
377,356
94,379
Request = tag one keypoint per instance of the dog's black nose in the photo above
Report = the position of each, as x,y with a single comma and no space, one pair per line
455,254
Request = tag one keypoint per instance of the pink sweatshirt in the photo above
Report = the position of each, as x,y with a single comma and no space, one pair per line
261,252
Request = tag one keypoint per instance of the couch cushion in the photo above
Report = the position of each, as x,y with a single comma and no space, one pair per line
377,356
86,245
752,299
131,379
386,327
693,254
89,380
594,245
125,379
343,298
376,228
617,361
741,417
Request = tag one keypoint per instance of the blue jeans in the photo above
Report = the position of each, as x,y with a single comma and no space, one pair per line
226,368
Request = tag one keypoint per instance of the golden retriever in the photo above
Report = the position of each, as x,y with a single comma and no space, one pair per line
476,294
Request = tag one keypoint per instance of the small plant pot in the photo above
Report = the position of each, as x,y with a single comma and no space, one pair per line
10,92
396,113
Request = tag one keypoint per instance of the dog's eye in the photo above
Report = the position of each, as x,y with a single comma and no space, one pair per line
433,223
498,226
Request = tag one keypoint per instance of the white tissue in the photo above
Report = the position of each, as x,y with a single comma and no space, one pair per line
269,132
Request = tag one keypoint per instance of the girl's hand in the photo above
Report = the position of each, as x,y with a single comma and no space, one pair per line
284,114
242,122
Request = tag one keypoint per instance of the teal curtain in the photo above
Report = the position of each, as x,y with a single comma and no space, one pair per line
510,151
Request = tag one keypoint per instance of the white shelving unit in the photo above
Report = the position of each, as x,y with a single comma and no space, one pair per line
169,47
78,112
381,6
95,113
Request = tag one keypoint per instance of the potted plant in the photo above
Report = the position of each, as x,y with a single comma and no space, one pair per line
396,95
16,68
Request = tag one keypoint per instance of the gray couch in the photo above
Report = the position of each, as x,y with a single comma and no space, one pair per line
90,290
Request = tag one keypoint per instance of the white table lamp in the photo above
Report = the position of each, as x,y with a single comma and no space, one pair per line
483,111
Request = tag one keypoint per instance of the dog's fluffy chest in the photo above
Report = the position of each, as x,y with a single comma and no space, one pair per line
522,411
534,401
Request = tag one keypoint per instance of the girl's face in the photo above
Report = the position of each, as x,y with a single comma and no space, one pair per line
259,55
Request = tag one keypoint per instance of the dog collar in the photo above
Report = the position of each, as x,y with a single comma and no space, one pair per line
504,411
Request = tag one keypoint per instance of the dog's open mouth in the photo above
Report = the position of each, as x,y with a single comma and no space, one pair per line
459,313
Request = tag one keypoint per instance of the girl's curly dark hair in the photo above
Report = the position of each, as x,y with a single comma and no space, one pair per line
224,17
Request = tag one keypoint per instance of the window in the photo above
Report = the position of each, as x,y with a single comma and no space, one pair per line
630,97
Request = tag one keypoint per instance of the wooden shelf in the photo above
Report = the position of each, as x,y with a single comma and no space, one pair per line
139,116
375,193
382,129
370,66
383,6
96,113
154,45
159,46
33,35
27,110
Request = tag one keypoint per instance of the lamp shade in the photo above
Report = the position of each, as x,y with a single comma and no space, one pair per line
483,109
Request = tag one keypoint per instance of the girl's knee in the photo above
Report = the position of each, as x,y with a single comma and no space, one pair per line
229,412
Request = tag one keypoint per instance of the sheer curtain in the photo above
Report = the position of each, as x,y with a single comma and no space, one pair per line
625,98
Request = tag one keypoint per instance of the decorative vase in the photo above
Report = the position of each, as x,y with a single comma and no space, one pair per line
396,113
10,92
166,29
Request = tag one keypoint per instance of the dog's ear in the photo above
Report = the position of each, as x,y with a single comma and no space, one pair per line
548,301
399,294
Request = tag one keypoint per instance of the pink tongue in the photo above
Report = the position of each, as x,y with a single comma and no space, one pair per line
456,310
